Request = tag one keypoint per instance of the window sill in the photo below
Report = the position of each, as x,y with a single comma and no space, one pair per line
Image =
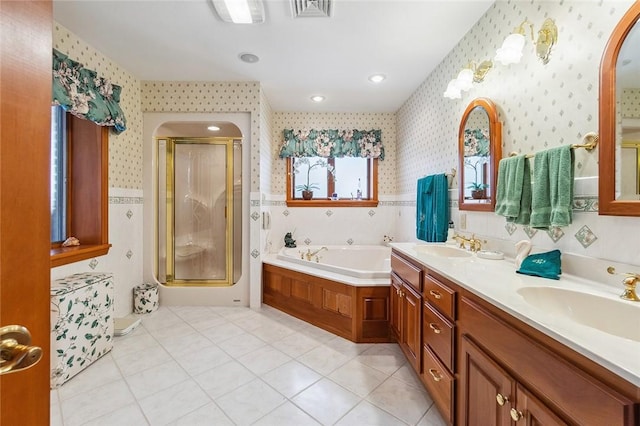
66,255
332,203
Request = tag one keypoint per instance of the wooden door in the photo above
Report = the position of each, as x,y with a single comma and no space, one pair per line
486,391
25,96
533,411
412,326
395,300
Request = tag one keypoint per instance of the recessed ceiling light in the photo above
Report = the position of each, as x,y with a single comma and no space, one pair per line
213,128
317,98
377,78
249,58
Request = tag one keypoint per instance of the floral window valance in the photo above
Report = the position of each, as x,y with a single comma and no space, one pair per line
476,142
332,143
83,93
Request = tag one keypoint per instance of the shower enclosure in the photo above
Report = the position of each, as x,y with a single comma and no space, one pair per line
199,211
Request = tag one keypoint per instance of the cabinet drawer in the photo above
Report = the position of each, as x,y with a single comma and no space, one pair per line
439,383
440,296
409,273
438,334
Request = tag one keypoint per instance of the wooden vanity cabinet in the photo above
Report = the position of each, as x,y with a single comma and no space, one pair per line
406,308
503,361
482,366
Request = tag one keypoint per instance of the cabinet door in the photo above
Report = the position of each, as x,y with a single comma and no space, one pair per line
486,390
412,326
532,412
395,300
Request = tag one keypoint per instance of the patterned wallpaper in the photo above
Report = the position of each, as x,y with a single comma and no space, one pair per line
311,120
540,106
185,96
125,149
266,135
630,104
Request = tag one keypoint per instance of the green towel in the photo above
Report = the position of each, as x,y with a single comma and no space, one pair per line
545,265
513,196
552,199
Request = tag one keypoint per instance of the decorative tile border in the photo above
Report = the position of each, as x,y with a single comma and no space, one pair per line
126,200
585,204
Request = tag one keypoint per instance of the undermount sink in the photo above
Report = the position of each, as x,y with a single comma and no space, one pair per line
443,251
617,317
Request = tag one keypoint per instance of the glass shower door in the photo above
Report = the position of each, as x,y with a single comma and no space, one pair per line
196,218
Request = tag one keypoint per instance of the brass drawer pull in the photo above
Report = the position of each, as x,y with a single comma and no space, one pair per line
501,399
435,375
435,328
515,414
435,294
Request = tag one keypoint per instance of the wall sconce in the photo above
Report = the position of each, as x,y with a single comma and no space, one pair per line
466,77
511,50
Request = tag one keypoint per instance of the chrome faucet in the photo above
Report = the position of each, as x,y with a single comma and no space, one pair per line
630,280
309,255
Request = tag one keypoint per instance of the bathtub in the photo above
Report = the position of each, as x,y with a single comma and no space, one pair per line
363,262
346,291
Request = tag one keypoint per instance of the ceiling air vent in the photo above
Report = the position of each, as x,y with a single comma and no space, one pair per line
311,8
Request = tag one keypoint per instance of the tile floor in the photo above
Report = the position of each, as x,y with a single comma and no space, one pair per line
237,366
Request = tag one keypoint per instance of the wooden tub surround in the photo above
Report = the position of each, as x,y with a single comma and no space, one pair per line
358,313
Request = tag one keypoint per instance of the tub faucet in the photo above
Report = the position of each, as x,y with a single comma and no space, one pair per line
309,254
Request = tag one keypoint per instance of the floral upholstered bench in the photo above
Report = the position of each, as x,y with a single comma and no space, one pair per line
81,323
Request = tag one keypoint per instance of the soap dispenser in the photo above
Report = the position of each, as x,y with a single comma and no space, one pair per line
450,231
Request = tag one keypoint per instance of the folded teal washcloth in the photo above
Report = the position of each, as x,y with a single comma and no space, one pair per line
513,196
545,265
551,203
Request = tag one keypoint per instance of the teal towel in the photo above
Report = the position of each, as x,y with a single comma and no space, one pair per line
513,196
432,208
545,265
552,199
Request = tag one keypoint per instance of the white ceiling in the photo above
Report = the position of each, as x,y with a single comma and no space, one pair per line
185,40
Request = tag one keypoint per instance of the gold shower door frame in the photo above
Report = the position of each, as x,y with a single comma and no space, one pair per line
169,223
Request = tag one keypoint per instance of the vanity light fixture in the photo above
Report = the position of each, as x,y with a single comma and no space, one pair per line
513,45
466,77
453,91
240,11
377,78
317,98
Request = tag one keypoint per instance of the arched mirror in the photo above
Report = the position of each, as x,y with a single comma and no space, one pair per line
479,151
619,166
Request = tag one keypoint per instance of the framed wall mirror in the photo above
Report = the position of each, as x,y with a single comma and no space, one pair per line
619,165
479,151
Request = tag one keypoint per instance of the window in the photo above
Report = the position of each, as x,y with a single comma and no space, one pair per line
59,176
339,182
79,187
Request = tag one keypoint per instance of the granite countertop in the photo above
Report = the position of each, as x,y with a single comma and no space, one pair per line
497,282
